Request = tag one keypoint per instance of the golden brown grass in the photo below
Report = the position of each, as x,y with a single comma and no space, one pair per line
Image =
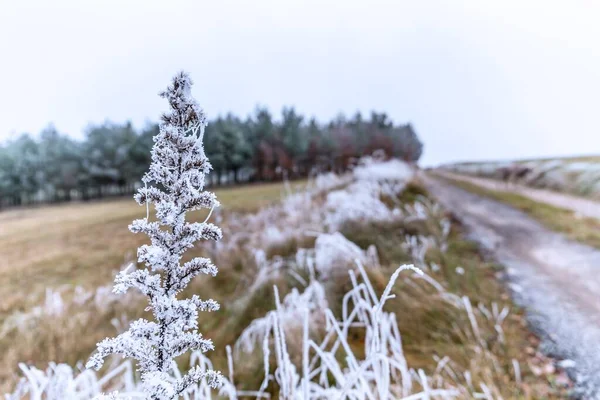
593,158
581,229
82,244
79,244
572,159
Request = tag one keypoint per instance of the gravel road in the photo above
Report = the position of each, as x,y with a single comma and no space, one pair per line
556,280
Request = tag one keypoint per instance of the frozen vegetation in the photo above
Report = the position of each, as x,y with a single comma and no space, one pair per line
381,372
305,343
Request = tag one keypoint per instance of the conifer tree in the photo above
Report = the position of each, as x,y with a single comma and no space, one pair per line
175,185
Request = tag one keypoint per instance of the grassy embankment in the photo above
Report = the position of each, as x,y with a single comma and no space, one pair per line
571,159
83,244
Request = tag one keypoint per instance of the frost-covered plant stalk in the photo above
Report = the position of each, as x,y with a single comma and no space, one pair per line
178,169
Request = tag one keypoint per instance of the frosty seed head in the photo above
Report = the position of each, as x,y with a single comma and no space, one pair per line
174,185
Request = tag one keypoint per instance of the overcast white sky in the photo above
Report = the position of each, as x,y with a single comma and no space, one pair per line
478,79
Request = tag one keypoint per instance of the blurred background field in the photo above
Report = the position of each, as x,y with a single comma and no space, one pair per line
575,175
84,244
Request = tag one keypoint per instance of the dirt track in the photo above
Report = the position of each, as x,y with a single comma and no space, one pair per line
581,206
556,280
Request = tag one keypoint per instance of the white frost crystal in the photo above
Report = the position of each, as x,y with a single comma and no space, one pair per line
333,252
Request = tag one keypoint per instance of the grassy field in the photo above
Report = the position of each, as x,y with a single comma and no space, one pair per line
575,175
587,158
85,244
568,159
584,230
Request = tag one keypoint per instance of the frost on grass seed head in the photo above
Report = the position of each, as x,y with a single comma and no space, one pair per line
178,170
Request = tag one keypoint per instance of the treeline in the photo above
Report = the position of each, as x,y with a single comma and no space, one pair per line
112,157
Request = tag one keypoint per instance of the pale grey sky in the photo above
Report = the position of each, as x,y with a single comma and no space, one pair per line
478,79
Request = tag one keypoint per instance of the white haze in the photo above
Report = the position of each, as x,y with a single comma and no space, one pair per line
479,80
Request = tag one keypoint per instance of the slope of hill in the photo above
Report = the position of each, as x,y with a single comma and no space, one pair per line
459,331
575,175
